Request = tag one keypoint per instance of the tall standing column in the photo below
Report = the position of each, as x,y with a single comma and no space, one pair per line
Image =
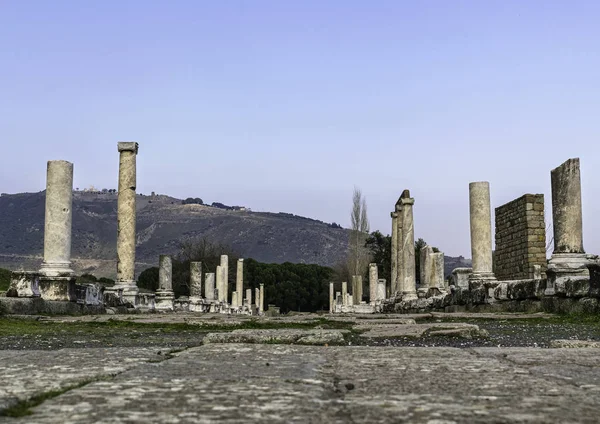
225,276
126,219
345,293
566,208
408,247
164,294
220,284
331,298
394,249
59,213
195,279
257,298
209,286
426,269
373,279
249,297
261,303
239,279
400,271
56,280
438,271
481,230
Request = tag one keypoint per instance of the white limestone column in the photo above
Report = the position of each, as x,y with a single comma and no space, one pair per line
249,297
220,284
331,298
426,265
381,289
373,278
408,247
438,271
126,218
225,274
400,271
394,249
195,279
261,304
59,215
164,295
481,230
257,298
345,293
239,278
234,299
209,286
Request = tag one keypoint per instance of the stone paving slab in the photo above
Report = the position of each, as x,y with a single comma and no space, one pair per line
28,373
282,383
376,330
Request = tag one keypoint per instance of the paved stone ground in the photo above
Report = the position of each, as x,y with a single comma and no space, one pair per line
183,381
283,383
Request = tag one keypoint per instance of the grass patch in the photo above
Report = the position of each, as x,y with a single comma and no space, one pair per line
23,408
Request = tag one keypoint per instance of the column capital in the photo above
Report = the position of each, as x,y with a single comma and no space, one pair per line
393,215
408,201
128,146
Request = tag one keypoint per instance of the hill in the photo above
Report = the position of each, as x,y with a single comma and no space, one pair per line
162,223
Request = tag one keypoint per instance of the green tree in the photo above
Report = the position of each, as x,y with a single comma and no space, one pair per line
380,247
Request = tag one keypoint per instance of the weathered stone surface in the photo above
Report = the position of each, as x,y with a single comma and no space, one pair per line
278,336
126,214
566,208
239,278
280,383
481,229
209,286
394,252
408,241
224,278
520,238
165,273
375,330
59,215
24,284
195,279
344,293
578,344
460,277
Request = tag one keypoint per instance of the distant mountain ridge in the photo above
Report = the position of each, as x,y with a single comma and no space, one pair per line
162,223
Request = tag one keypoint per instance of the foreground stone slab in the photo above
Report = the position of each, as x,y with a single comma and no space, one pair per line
25,374
288,336
375,330
282,383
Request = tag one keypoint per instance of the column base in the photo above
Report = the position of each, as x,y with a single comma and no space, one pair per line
58,288
124,292
566,266
482,277
164,300
409,295
56,269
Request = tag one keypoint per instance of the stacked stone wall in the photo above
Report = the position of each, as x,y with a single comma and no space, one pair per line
520,238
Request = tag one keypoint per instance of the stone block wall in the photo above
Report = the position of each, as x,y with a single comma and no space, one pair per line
520,238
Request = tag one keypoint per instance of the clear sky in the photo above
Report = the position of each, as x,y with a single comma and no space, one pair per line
286,105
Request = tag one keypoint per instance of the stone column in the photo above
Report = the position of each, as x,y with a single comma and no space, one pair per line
569,261
256,297
234,299
381,289
164,294
409,290
331,298
438,279
220,290
394,248
239,279
400,271
426,267
373,278
345,293
249,297
225,276
126,220
481,231
56,280
57,229
209,286
261,303
566,208
195,279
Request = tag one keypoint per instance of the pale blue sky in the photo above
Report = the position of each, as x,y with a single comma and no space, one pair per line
285,105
